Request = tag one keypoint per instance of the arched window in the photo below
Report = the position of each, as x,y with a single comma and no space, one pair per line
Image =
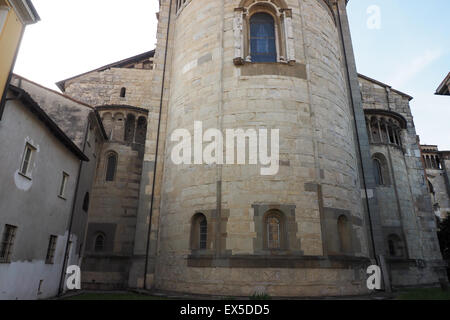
199,232
123,92
273,225
129,128
273,233
381,170
344,234
395,246
378,172
86,202
141,130
111,167
262,38
99,244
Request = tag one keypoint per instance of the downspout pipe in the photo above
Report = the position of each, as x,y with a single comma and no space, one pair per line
74,202
157,149
357,135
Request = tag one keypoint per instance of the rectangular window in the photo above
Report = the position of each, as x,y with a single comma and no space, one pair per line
62,188
50,258
9,235
27,159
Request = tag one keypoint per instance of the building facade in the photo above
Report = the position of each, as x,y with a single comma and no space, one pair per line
350,190
40,166
120,93
436,165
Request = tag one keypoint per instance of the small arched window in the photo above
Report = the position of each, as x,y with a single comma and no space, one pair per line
262,38
111,167
123,92
274,229
199,232
395,246
99,244
86,202
273,233
344,234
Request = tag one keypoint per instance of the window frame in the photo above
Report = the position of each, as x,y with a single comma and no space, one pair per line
28,171
284,35
50,257
6,245
97,236
251,37
282,240
63,185
110,154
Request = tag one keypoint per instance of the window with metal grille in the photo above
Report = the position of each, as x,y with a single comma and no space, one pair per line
203,233
50,258
25,168
111,167
262,38
9,234
273,233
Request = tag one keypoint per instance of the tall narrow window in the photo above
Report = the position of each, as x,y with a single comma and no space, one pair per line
111,167
123,92
199,232
27,159
62,188
9,234
344,234
378,172
203,233
262,38
51,250
141,130
99,245
273,233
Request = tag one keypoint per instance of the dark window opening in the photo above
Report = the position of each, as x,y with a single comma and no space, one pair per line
141,130
129,128
262,38
111,167
378,172
123,92
99,245
203,233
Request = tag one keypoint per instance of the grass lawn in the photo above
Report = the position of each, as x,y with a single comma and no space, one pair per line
114,296
424,294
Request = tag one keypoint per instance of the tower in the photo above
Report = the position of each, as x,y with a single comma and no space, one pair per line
252,65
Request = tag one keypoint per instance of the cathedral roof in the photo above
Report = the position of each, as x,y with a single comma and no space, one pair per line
118,64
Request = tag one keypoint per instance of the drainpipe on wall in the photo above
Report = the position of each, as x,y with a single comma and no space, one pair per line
74,202
377,255
157,148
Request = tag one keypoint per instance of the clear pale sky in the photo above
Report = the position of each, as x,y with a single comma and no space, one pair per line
410,51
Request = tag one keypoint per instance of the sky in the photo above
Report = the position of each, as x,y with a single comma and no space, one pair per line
403,43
